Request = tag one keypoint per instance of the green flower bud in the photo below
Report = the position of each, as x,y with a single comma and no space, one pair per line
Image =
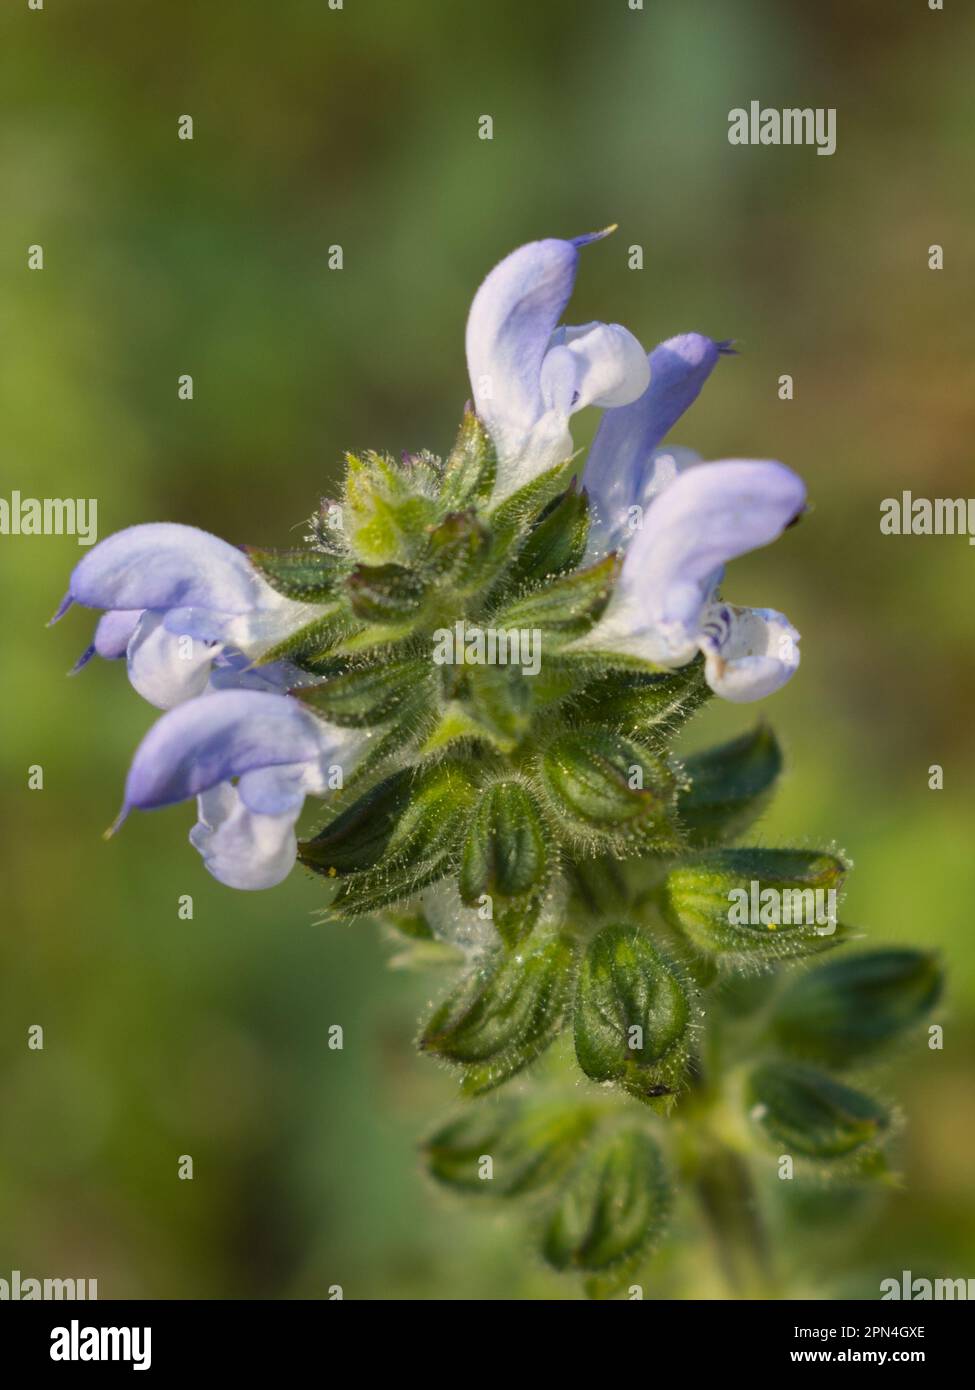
358,838
457,544
396,839
309,576
848,1009
730,786
612,1207
510,1149
499,700
503,1017
602,784
505,855
385,519
757,903
514,517
810,1113
631,1015
639,704
313,645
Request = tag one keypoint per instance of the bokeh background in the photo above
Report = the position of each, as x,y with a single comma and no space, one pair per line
358,127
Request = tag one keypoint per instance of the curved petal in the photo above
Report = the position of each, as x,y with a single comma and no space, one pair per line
627,436
679,368
222,735
748,652
164,565
598,364
114,631
240,848
511,321
611,368
709,515
167,668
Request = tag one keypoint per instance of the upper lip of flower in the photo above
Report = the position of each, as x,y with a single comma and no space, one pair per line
527,375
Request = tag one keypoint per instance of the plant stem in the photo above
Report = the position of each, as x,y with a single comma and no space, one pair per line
725,1190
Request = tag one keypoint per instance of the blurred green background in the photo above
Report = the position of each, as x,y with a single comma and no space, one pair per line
359,127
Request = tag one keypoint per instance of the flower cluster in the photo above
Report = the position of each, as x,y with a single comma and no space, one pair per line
480,665
231,644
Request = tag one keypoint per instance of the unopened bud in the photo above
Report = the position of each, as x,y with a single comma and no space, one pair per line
608,786
847,1009
385,593
729,786
501,1018
530,1146
631,1016
807,1112
505,853
757,903
613,1206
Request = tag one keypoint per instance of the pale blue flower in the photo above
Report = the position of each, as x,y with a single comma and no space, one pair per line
528,375
664,608
176,598
278,751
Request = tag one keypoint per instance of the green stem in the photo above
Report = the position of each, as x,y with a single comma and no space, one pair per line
727,1196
